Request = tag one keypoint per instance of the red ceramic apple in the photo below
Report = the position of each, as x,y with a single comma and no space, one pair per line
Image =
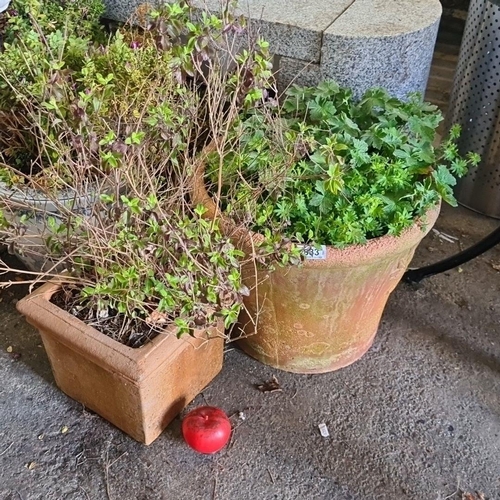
206,429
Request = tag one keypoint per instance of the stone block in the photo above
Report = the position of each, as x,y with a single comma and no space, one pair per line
294,71
380,43
294,28
121,10
361,43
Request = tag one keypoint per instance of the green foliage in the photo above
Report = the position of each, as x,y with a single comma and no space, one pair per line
325,169
46,43
157,265
81,18
44,36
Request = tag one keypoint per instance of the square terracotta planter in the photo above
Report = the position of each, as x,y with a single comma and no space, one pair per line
139,390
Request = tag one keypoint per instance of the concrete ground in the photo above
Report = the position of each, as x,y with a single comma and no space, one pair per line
417,418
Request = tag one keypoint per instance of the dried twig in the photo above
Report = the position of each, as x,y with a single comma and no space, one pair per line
106,475
85,492
7,449
216,481
455,492
446,237
270,475
107,466
116,459
214,492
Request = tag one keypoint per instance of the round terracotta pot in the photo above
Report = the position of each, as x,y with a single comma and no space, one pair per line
324,314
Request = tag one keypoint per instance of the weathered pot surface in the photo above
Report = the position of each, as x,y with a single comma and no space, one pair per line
324,315
138,390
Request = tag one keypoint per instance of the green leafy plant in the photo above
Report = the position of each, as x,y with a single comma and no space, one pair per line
45,44
324,169
41,37
80,18
147,266
137,259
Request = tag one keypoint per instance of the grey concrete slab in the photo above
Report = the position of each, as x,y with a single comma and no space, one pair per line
418,417
294,71
121,10
293,28
359,43
380,43
376,18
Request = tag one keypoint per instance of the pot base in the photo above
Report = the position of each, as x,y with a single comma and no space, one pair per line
303,362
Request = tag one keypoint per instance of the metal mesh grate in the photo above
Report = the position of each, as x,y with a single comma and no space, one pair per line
475,105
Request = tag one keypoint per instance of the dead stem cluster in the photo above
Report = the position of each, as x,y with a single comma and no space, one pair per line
97,158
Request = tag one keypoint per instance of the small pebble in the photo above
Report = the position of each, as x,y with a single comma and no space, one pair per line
451,428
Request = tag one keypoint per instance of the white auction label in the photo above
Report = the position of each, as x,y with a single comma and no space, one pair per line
312,252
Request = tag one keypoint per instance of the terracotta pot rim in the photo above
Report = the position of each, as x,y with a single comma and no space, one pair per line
352,254
46,316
